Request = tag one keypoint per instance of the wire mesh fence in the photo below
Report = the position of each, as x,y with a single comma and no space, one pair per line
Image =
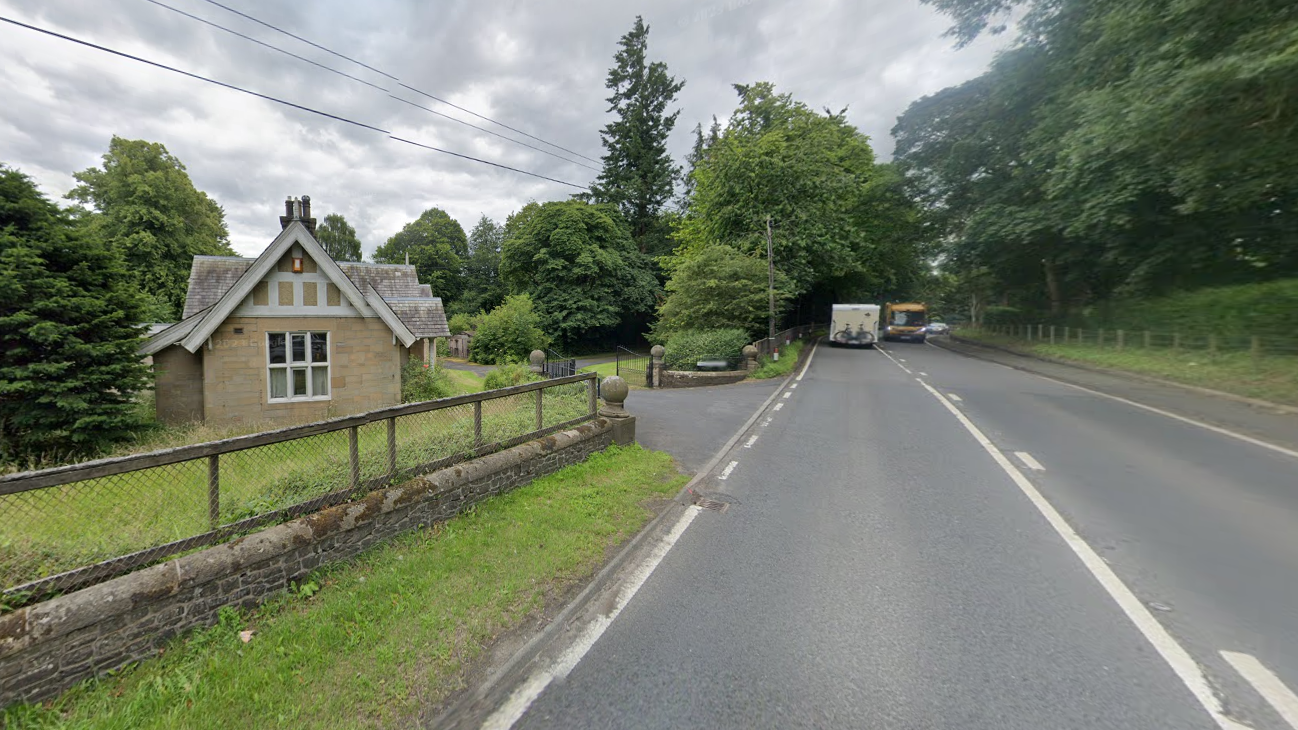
68,527
1224,342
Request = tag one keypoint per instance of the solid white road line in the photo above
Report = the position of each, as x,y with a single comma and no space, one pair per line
751,440
725,473
1172,652
509,713
1028,461
1174,416
778,406
1159,411
1267,684
953,396
807,364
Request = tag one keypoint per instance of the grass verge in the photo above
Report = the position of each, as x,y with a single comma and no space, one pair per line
1268,377
770,368
371,642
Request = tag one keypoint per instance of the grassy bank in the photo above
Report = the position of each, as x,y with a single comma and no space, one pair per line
47,531
770,368
1268,377
372,642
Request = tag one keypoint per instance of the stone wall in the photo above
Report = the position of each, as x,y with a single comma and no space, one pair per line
49,646
690,379
365,370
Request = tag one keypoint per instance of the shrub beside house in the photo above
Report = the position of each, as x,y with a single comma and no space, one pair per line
292,335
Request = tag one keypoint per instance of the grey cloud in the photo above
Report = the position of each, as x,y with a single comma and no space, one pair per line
538,65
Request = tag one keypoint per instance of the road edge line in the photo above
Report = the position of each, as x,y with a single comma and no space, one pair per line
455,715
1175,655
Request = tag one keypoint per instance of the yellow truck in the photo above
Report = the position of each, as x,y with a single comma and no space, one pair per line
905,321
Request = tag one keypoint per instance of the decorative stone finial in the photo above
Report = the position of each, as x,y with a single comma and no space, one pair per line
657,351
614,391
537,360
750,357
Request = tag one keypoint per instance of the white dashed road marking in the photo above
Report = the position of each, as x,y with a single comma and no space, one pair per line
787,393
778,406
725,473
954,397
751,440
1267,684
1028,461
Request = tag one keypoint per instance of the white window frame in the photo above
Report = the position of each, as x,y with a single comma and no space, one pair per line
308,365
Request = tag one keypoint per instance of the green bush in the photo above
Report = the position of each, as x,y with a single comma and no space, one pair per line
684,349
464,322
508,333
507,375
419,383
1248,308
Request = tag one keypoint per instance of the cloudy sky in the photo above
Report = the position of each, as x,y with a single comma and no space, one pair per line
536,65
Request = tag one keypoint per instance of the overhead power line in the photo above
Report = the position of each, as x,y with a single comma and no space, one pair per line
300,38
494,134
394,78
300,107
363,81
267,45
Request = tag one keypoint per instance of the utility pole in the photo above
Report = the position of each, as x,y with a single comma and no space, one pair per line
770,277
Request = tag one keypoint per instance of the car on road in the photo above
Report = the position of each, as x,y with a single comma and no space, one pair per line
939,328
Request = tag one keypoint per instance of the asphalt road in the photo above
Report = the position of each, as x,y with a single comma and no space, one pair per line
878,567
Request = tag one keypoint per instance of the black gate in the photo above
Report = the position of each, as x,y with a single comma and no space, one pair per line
558,366
634,367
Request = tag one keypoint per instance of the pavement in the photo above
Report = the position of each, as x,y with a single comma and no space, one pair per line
913,538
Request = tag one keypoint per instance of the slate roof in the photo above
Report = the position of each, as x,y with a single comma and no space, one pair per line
389,280
423,315
210,277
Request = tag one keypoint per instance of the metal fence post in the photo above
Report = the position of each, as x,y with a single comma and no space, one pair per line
214,490
539,418
354,455
392,448
477,423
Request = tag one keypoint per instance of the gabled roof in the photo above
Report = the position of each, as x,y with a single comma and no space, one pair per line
218,284
389,280
423,315
209,278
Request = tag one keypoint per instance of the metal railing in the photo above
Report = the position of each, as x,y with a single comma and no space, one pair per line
68,527
558,366
769,345
634,367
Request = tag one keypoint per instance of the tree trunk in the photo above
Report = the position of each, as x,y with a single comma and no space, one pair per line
1052,286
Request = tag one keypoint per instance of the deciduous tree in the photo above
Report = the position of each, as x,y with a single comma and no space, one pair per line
147,208
338,238
437,247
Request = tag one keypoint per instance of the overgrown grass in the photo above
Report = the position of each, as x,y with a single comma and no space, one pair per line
768,367
370,643
47,531
465,381
1268,377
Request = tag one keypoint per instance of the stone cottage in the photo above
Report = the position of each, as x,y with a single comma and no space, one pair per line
292,335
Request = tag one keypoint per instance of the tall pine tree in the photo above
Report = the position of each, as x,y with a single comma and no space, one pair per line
69,315
638,176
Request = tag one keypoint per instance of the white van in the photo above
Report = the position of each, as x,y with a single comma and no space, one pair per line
854,324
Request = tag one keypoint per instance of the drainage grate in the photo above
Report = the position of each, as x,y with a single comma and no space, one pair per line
712,504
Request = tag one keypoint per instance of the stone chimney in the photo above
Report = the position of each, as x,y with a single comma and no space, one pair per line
298,210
